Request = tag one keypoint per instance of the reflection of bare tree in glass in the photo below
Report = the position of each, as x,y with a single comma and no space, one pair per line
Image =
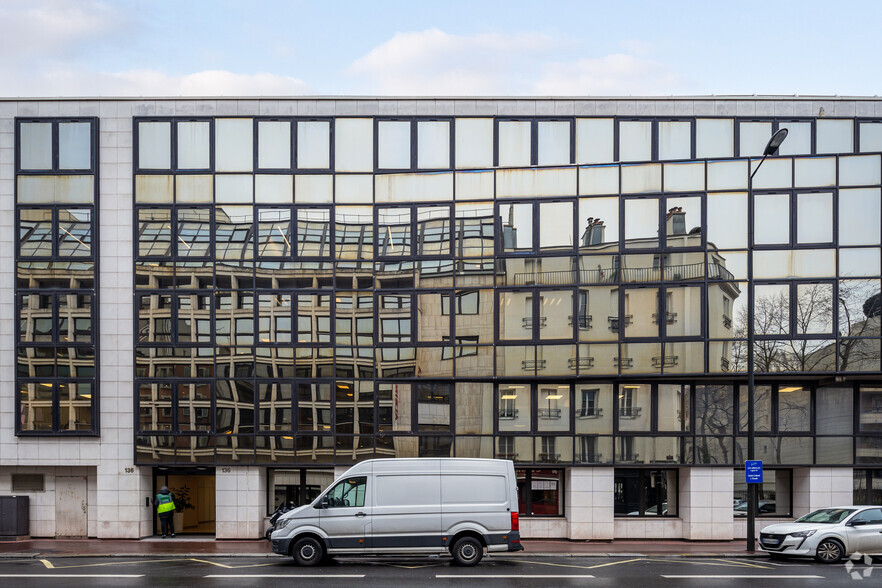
814,307
713,414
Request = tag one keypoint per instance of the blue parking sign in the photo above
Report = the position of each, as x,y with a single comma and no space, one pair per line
753,471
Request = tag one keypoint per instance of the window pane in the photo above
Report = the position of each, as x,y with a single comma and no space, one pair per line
274,144
871,137
753,138
474,142
714,137
859,216
799,138
554,142
555,225
594,140
772,219
641,223
598,221
634,407
814,216
674,402
35,232
354,144
35,147
835,135
635,140
762,408
433,144
75,146
514,407
154,145
193,147
714,410
75,232
393,144
772,309
834,411
674,140
314,144
517,227
515,143
794,408
814,308
870,407
234,144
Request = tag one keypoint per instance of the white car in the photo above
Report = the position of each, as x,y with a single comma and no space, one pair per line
828,535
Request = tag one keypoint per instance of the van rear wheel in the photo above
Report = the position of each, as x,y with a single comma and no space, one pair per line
308,551
468,551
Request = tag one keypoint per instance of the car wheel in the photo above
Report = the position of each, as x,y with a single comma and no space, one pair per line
830,551
468,551
308,551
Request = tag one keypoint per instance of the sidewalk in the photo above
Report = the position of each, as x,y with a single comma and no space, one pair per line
208,546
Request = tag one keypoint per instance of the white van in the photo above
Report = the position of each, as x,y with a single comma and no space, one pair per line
432,506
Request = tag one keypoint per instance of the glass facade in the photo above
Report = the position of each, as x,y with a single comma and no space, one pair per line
56,282
551,291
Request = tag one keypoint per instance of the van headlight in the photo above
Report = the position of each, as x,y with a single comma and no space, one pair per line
802,534
281,524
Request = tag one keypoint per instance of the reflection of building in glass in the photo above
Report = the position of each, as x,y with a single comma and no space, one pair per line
284,295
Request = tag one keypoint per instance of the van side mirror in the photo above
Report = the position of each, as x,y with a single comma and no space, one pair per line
323,503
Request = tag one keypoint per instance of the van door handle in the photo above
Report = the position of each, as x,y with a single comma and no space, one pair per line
360,514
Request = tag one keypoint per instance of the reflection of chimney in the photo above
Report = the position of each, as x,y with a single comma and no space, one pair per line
593,234
509,232
676,221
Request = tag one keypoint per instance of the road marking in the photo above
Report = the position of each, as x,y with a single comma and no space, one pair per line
739,576
711,562
545,563
530,576
49,565
71,575
243,576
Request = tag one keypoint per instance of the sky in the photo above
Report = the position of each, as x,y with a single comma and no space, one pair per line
439,48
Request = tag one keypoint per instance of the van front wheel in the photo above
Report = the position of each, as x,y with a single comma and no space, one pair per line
468,551
308,551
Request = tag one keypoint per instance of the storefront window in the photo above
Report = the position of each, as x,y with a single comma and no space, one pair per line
774,495
645,493
540,493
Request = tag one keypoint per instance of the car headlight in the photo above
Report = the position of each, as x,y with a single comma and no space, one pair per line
281,524
802,534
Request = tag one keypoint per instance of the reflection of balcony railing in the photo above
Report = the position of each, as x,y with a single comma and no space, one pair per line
724,364
626,457
630,412
549,413
528,321
584,363
511,456
531,364
691,271
670,318
508,413
614,322
666,361
588,413
624,362
727,322
549,457
583,321
590,457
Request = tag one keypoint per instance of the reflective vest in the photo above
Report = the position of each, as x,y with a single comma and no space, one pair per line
164,503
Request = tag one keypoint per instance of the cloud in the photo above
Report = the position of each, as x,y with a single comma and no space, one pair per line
433,62
612,75
66,81
35,28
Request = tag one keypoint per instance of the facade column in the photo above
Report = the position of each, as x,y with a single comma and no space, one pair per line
589,503
705,498
819,487
240,502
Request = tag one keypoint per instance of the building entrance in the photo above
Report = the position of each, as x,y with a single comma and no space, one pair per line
194,492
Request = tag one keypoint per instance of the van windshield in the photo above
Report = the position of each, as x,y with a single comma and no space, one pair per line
829,516
348,492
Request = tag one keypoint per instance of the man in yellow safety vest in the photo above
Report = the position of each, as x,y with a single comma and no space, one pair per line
165,508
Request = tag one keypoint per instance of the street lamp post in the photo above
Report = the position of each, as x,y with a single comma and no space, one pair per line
771,147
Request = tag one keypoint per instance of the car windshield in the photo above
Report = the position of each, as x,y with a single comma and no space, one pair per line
826,515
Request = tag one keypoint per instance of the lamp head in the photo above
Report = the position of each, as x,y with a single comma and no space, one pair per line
775,142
